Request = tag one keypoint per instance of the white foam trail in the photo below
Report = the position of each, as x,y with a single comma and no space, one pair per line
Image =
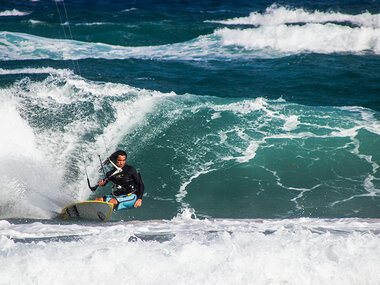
277,15
183,191
370,123
94,24
129,10
13,12
42,70
36,22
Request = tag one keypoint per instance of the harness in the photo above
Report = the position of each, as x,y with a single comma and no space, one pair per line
125,201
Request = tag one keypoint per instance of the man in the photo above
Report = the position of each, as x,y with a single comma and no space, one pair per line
126,179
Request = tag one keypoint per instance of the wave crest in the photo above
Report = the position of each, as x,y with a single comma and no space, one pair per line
277,15
13,12
319,38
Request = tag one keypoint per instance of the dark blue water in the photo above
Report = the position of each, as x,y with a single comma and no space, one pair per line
236,110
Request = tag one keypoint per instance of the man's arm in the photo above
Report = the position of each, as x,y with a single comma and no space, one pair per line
105,180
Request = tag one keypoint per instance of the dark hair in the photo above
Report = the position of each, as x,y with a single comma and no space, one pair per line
114,156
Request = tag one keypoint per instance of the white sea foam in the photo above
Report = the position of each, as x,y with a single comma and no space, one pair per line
328,38
182,193
93,24
36,22
277,15
291,123
187,250
13,12
42,70
288,31
369,122
129,10
242,107
25,175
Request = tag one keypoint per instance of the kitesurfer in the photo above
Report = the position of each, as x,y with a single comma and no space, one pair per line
126,178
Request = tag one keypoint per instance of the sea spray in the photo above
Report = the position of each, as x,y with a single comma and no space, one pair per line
209,251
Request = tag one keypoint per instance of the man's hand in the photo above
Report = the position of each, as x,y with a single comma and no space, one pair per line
101,182
138,203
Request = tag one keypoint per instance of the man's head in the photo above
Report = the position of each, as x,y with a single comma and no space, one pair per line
119,157
120,160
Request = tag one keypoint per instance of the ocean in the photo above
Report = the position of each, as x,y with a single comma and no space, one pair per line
255,126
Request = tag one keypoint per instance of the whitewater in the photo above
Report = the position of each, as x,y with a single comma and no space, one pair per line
303,251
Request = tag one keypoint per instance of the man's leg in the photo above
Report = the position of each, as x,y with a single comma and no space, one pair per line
112,201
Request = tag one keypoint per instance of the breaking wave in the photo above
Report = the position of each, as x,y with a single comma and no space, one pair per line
277,15
277,32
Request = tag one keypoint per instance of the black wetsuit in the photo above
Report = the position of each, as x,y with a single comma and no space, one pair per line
127,181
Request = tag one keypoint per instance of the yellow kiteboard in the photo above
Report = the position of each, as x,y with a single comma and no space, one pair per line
89,210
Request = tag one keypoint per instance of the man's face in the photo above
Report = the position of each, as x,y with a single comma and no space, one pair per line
120,160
